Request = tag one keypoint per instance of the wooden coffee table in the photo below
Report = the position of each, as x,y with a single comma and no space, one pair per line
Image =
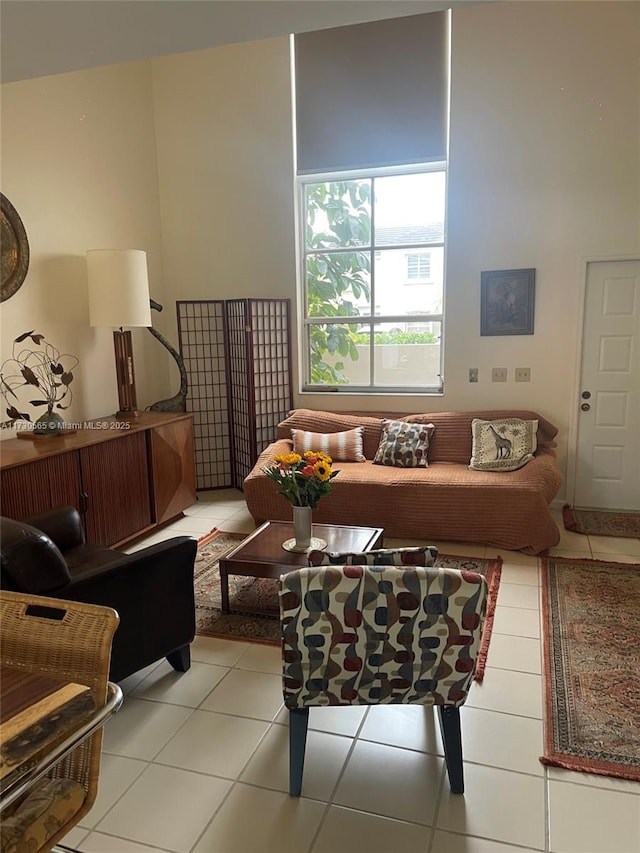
261,554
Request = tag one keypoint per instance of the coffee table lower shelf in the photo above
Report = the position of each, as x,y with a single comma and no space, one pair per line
261,554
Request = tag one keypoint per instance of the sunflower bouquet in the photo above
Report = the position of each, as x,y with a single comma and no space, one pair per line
303,480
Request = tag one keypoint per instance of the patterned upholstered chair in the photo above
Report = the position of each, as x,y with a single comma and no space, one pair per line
379,634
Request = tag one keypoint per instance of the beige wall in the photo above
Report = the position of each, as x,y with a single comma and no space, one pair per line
78,164
544,172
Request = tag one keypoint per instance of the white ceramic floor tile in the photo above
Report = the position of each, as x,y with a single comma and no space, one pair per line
349,831
98,842
518,595
220,496
518,653
116,775
623,786
447,842
239,522
74,837
614,545
517,622
249,694
213,743
192,525
519,573
410,789
501,740
508,691
592,820
217,650
166,808
616,558
572,541
498,805
514,558
325,756
261,658
189,688
141,728
254,820
570,555
407,726
336,721
129,684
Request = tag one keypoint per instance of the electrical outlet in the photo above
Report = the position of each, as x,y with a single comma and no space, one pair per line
523,374
473,374
499,374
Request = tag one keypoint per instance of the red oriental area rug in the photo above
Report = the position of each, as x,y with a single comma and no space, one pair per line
254,615
591,634
595,522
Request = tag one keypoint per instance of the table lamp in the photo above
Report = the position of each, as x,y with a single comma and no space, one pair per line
119,296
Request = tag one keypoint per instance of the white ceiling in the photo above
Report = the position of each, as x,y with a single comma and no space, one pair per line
41,37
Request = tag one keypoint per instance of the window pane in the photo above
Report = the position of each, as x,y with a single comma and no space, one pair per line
409,209
407,358
397,291
338,284
338,213
338,355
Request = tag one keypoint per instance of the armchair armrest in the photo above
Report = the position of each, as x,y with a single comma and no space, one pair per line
29,560
62,525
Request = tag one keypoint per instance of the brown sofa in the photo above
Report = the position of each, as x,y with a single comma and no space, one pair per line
445,502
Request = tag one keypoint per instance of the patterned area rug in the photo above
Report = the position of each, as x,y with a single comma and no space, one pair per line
600,523
254,612
591,625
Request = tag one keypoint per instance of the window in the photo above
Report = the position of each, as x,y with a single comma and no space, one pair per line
418,266
364,235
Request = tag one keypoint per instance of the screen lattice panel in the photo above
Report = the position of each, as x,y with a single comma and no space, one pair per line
201,331
238,356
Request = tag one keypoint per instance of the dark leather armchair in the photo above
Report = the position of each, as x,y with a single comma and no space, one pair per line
152,589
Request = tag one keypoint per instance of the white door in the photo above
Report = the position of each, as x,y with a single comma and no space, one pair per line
608,451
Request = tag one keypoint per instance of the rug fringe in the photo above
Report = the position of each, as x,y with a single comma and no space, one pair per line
492,598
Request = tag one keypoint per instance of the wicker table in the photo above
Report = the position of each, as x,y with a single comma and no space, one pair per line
261,554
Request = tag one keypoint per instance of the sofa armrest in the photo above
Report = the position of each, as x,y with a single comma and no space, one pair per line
62,525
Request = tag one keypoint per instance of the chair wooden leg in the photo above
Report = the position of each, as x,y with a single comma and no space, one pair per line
180,660
298,723
449,717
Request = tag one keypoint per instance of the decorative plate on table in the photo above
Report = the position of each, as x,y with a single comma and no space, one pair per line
15,249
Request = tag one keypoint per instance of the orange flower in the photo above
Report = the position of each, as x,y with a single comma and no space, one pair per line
308,471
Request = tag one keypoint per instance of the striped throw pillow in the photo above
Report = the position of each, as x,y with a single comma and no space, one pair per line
340,446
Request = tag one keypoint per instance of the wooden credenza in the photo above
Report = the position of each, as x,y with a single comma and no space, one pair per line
124,477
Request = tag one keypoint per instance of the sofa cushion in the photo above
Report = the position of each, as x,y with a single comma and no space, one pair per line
502,445
343,446
422,556
403,445
320,421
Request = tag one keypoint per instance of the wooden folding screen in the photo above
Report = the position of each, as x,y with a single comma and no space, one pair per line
237,354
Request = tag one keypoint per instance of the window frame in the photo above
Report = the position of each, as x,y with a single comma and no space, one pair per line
305,322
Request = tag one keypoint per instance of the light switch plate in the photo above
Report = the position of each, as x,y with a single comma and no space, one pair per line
499,374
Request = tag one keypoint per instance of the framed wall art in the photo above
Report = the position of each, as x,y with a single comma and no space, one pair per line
15,249
507,300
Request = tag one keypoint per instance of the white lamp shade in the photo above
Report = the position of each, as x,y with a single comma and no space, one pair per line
118,287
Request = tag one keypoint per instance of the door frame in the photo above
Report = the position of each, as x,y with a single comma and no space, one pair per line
572,445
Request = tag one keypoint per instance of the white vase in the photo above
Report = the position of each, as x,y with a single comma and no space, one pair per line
302,526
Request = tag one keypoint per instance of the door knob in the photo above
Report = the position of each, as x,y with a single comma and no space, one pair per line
585,407
586,395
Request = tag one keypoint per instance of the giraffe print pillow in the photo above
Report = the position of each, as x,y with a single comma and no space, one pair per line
502,445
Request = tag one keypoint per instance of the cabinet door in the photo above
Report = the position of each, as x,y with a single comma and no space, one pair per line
115,479
173,469
41,485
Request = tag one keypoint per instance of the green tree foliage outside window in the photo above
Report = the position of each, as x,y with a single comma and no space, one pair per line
338,216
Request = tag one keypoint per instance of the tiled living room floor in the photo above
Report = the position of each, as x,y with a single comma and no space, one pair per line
197,762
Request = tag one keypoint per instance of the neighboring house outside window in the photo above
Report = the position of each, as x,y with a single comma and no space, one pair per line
365,236
418,266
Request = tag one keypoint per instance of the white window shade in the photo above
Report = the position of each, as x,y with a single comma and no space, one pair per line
372,94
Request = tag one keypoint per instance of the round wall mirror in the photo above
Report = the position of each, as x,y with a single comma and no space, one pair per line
15,249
